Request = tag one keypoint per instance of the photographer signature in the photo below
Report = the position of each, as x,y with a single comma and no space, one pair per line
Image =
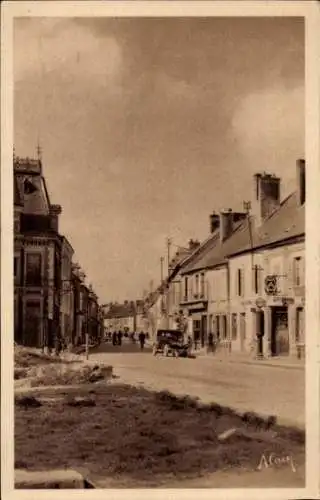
273,460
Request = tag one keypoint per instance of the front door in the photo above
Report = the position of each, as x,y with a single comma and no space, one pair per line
260,332
279,331
203,330
196,332
242,331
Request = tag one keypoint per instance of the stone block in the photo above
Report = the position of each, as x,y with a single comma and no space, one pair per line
49,479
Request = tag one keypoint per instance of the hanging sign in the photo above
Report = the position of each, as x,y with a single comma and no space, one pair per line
270,285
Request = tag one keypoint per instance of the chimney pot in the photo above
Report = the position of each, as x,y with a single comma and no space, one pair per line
214,222
267,195
301,181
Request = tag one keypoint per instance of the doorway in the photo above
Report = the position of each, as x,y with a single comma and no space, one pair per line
260,331
203,330
279,332
242,331
196,332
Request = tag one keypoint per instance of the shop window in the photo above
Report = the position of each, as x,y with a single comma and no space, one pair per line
33,269
224,326
234,326
218,326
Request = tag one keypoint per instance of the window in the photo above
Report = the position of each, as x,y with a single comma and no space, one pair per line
211,323
234,326
196,329
32,329
218,326
15,267
256,279
202,286
224,326
33,269
196,293
240,282
297,271
186,286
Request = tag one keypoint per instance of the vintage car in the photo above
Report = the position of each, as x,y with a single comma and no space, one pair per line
170,342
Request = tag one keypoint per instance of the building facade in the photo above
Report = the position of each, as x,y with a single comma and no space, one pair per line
66,301
37,257
51,300
246,286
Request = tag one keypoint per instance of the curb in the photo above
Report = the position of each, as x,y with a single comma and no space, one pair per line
252,362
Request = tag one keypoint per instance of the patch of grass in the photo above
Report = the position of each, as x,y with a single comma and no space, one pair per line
136,433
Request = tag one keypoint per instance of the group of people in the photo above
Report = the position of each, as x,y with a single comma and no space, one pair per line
117,337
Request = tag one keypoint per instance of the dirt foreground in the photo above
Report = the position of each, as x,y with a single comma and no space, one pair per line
131,437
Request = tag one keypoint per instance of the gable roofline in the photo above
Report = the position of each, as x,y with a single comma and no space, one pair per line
279,240
277,243
218,247
198,250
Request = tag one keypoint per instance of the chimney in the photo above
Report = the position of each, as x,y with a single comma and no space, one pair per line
228,220
214,222
266,196
301,181
55,211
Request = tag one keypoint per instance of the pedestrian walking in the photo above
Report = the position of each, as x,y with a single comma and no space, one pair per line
114,338
142,339
119,337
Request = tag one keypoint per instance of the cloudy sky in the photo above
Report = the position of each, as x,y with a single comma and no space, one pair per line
147,125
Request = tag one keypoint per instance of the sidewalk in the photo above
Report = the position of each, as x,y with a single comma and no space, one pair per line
289,362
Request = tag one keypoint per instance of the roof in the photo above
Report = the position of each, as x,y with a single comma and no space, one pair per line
285,223
198,258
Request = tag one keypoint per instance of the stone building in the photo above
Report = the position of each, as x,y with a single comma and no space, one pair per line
37,257
121,317
246,282
267,283
66,301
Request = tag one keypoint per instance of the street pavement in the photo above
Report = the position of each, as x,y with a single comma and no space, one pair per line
265,389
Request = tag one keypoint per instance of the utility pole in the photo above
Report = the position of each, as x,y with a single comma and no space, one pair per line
161,268
247,207
169,242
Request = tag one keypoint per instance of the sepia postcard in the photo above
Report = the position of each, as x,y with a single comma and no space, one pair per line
160,249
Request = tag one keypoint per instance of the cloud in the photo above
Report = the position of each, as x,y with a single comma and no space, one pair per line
272,116
59,45
271,120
